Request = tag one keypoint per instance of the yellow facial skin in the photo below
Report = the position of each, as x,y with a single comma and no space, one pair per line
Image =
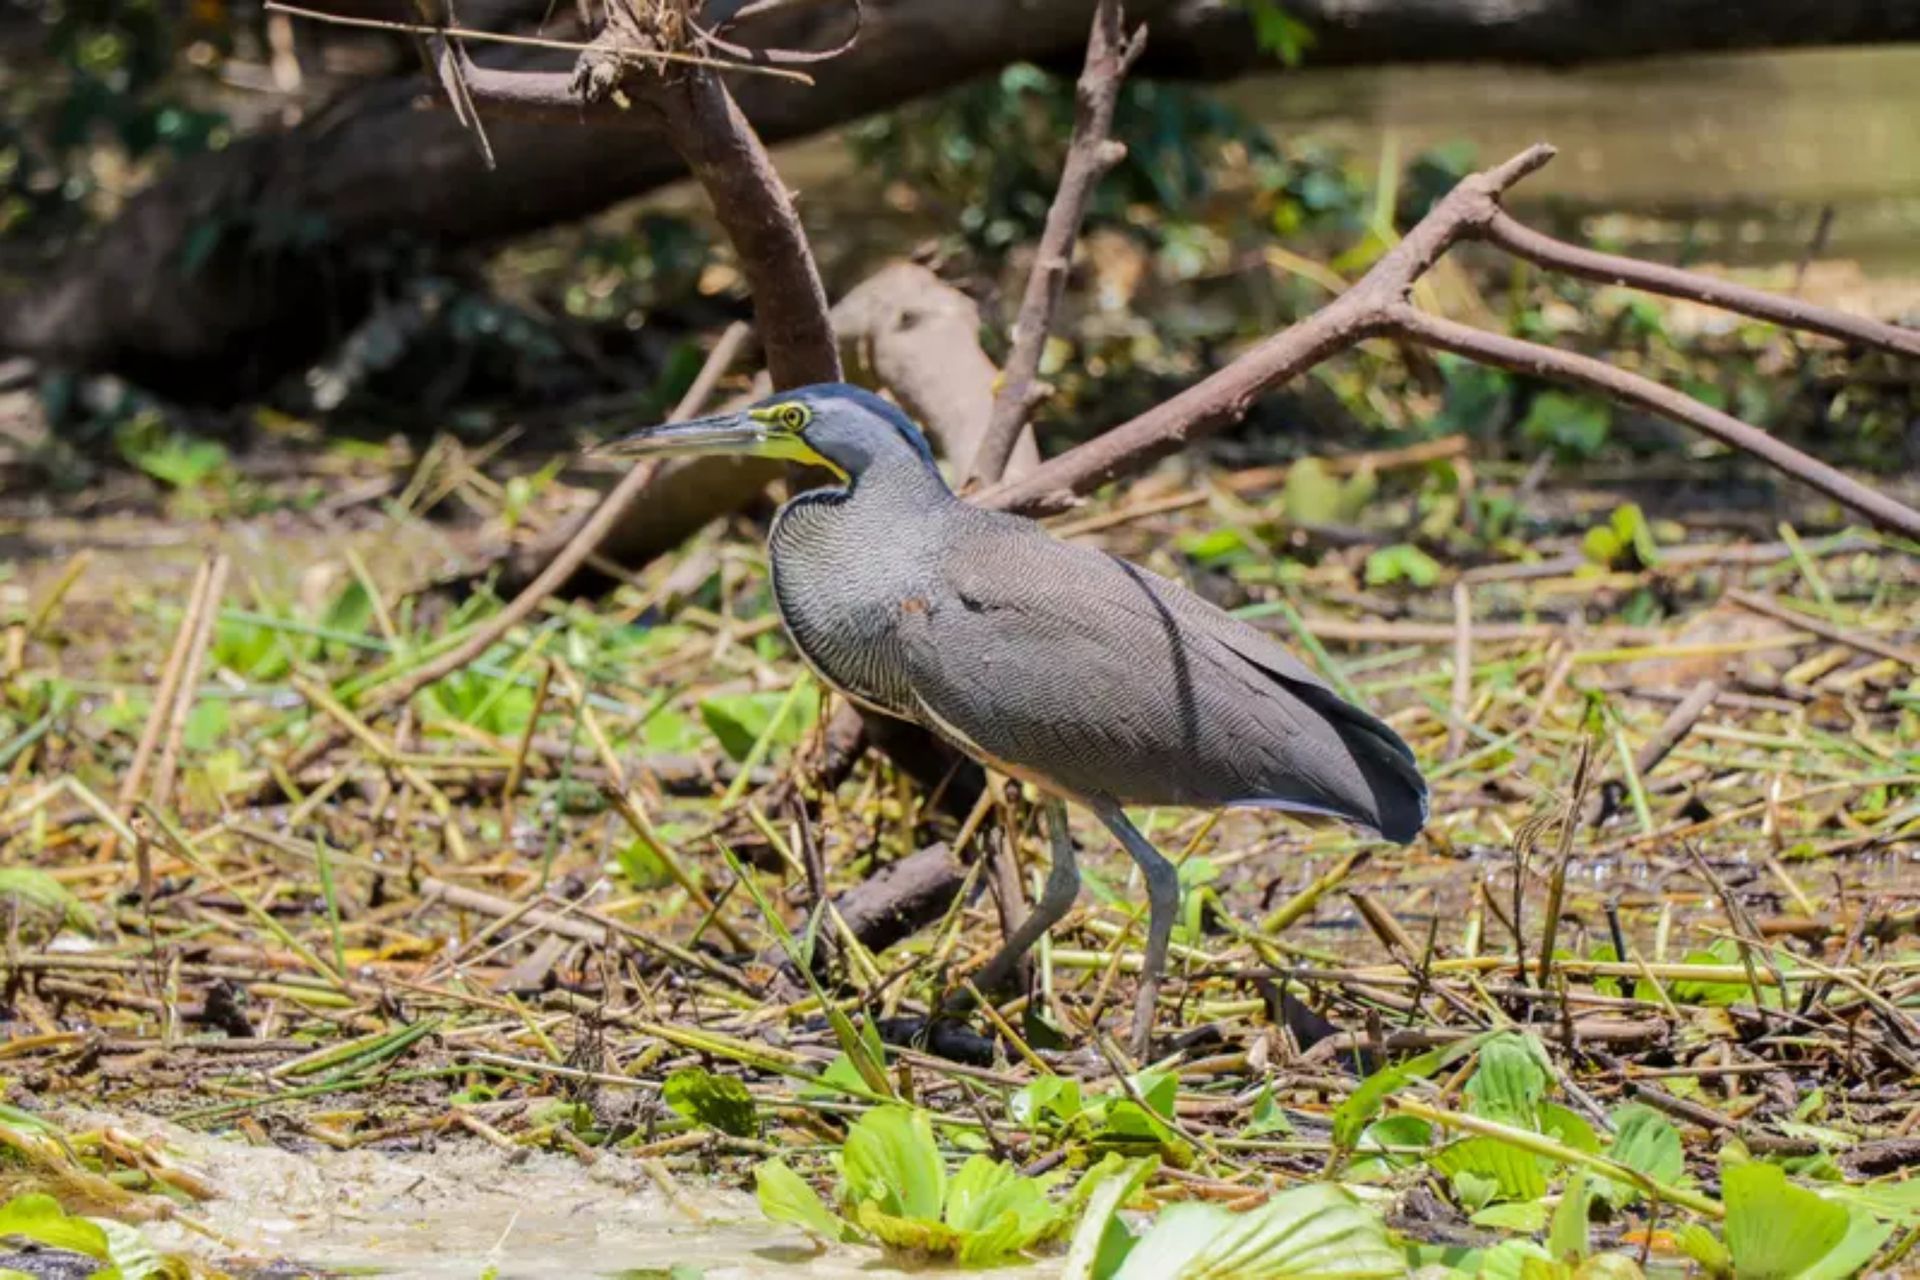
768,431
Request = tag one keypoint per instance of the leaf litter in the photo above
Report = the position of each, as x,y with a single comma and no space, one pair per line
541,938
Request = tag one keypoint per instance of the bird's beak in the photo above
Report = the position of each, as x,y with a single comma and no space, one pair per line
735,433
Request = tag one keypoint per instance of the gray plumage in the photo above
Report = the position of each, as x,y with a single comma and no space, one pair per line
1090,677
1064,665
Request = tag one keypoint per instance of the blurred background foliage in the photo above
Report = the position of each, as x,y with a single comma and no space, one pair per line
97,93
1212,233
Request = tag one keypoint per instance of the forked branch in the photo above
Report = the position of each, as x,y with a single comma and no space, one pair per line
1379,305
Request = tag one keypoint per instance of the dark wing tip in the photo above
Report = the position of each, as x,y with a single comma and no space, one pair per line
1397,806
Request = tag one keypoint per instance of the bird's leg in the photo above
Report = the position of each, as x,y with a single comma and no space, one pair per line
1063,887
1163,904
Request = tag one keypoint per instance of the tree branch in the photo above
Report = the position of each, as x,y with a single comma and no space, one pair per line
1378,304
1630,388
1093,151
1224,398
1543,250
789,303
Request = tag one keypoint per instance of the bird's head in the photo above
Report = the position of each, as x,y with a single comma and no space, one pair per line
831,424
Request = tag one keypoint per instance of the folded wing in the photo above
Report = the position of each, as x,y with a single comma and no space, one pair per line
1098,678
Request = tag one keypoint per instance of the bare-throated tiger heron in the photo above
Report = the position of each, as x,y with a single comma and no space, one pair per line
1089,677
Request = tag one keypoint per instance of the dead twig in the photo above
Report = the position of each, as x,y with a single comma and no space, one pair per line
203,619
1462,670
1826,631
725,351
163,696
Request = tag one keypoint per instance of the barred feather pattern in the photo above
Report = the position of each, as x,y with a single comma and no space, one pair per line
1066,666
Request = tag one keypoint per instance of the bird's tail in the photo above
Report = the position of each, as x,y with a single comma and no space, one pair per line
1395,799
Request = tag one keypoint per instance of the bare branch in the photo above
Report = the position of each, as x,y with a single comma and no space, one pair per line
1110,52
1224,398
1378,305
718,361
1631,388
1557,255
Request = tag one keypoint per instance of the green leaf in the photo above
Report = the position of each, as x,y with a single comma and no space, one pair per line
40,1218
890,1161
1630,524
1402,562
739,719
1267,1116
1278,32
838,1079
1159,1090
1896,1202
1626,531
910,1235
718,1102
1864,1238
1135,1130
34,892
997,1212
1213,546
1049,1100
1692,991
1393,1131
1312,494
1569,1128
1573,426
181,461
1776,1230
132,1257
1644,1140
669,733
1568,1240
1517,1174
1700,1244
1602,546
1316,1230
642,866
1514,1260
1353,1115
1526,1218
1102,1241
785,1197
1510,1081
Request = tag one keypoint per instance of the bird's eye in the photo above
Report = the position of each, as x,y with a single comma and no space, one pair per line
794,416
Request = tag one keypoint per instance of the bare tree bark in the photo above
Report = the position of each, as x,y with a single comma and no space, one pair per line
1543,250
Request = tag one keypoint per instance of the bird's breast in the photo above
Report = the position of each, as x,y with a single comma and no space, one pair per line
841,585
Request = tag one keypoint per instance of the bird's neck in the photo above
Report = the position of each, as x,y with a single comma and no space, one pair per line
878,517
843,560
896,477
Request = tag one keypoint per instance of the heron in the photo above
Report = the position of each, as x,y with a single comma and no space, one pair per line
1094,680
